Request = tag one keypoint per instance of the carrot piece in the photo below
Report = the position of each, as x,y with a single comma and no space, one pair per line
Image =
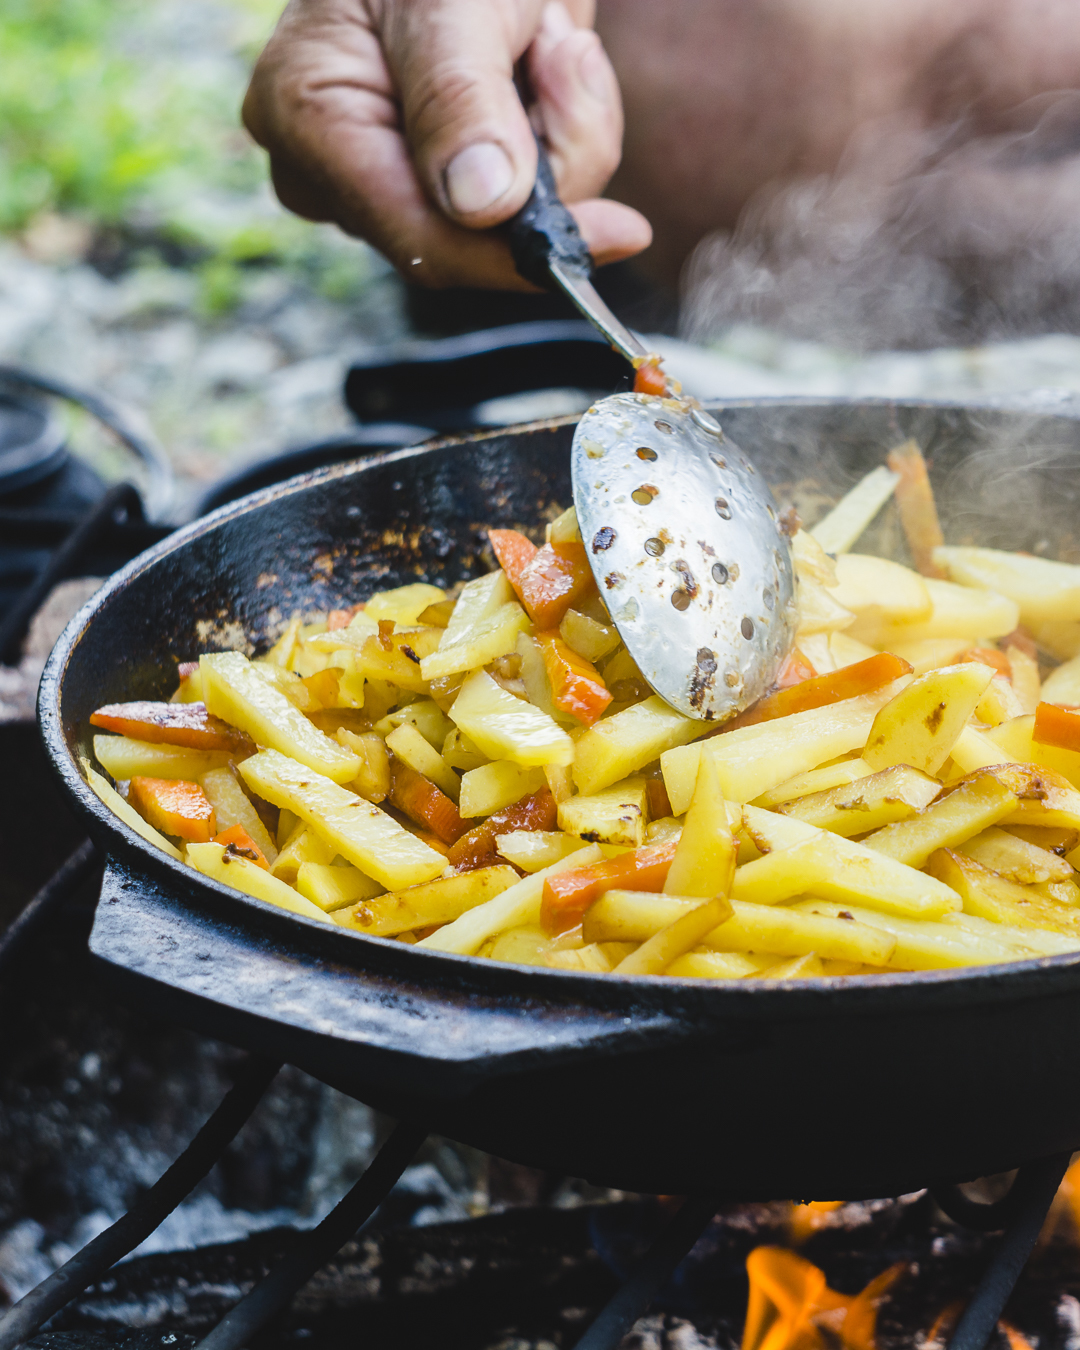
986,656
658,800
650,379
795,669
556,576
567,895
423,802
513,553
174,806
239,844
860,678
477,848
1055,725
918,512
577,687
172,724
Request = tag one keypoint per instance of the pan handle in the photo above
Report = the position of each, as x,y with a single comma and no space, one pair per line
345,1011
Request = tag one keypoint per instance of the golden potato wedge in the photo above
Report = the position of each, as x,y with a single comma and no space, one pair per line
1043,589
920,725
974,749
591,959
122,757
587,637
967,810
438,901
770,830
847,651
958,611
990,896
505,727
1063,685
678,937
413,749
704,862
478,601
528,945
1024,673
461,753
841,528
615,816
362,833
1000,703
334,888
237,693
819,612
492,786
808,967
879,591
532,850
1016,738
303,846
753,759
232,807
373,780
885,797
706,965
840,774
489,639
930,653
840,869
403,604
620,745
425,715
1016,859
517,906
236,871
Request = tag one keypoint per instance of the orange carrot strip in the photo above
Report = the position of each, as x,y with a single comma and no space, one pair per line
172,724
238,843
567,895
537,811
423,802
556,576
915,502
650,379
577,687
795,669
987,656
513,552
1055,725
861,678
174,807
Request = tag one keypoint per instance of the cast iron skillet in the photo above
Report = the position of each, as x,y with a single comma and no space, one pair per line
819,1088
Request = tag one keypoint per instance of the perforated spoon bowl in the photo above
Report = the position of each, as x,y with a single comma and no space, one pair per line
683,536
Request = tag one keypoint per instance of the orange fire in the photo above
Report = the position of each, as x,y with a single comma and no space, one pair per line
809,1217
792,1308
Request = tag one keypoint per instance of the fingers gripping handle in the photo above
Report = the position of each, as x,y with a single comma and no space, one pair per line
544,231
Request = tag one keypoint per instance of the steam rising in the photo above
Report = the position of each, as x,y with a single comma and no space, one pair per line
920,238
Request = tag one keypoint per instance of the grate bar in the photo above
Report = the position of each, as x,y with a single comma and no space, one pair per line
276,1290
1036,1185
655,1269
88,1265
69,875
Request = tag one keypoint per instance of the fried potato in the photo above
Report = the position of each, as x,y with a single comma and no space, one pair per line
678,937
920,725
704,862
505,727
958,611
878,591
403,604
532,850
808,967
232,807
237,693
891,795
362,833
990,896
974,749
929,653
705,965
1043,590
620,745
753,759
127,813
213,861
1063,685
302,846
413,749
967,810
615,816
838,531
489,788
488,639
840,774
518,905
1016,859
334,888
839,869
819,610
478,601
122,758
439,901
587,637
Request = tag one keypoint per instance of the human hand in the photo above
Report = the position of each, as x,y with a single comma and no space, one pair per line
400,121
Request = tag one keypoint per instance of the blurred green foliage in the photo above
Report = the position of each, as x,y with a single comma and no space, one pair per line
126,115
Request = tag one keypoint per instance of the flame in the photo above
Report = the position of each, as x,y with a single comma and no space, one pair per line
947,1319
808,1216
791,1306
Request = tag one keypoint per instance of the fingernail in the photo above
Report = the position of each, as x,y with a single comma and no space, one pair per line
556,21
595,73
477,177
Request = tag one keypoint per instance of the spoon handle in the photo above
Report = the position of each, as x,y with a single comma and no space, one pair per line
544,231
548,250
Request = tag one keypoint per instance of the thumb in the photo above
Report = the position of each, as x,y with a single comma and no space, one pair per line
452,62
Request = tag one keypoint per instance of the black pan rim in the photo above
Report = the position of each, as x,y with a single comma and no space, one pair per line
1008,981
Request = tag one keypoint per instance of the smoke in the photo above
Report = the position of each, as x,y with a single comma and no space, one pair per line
920,238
